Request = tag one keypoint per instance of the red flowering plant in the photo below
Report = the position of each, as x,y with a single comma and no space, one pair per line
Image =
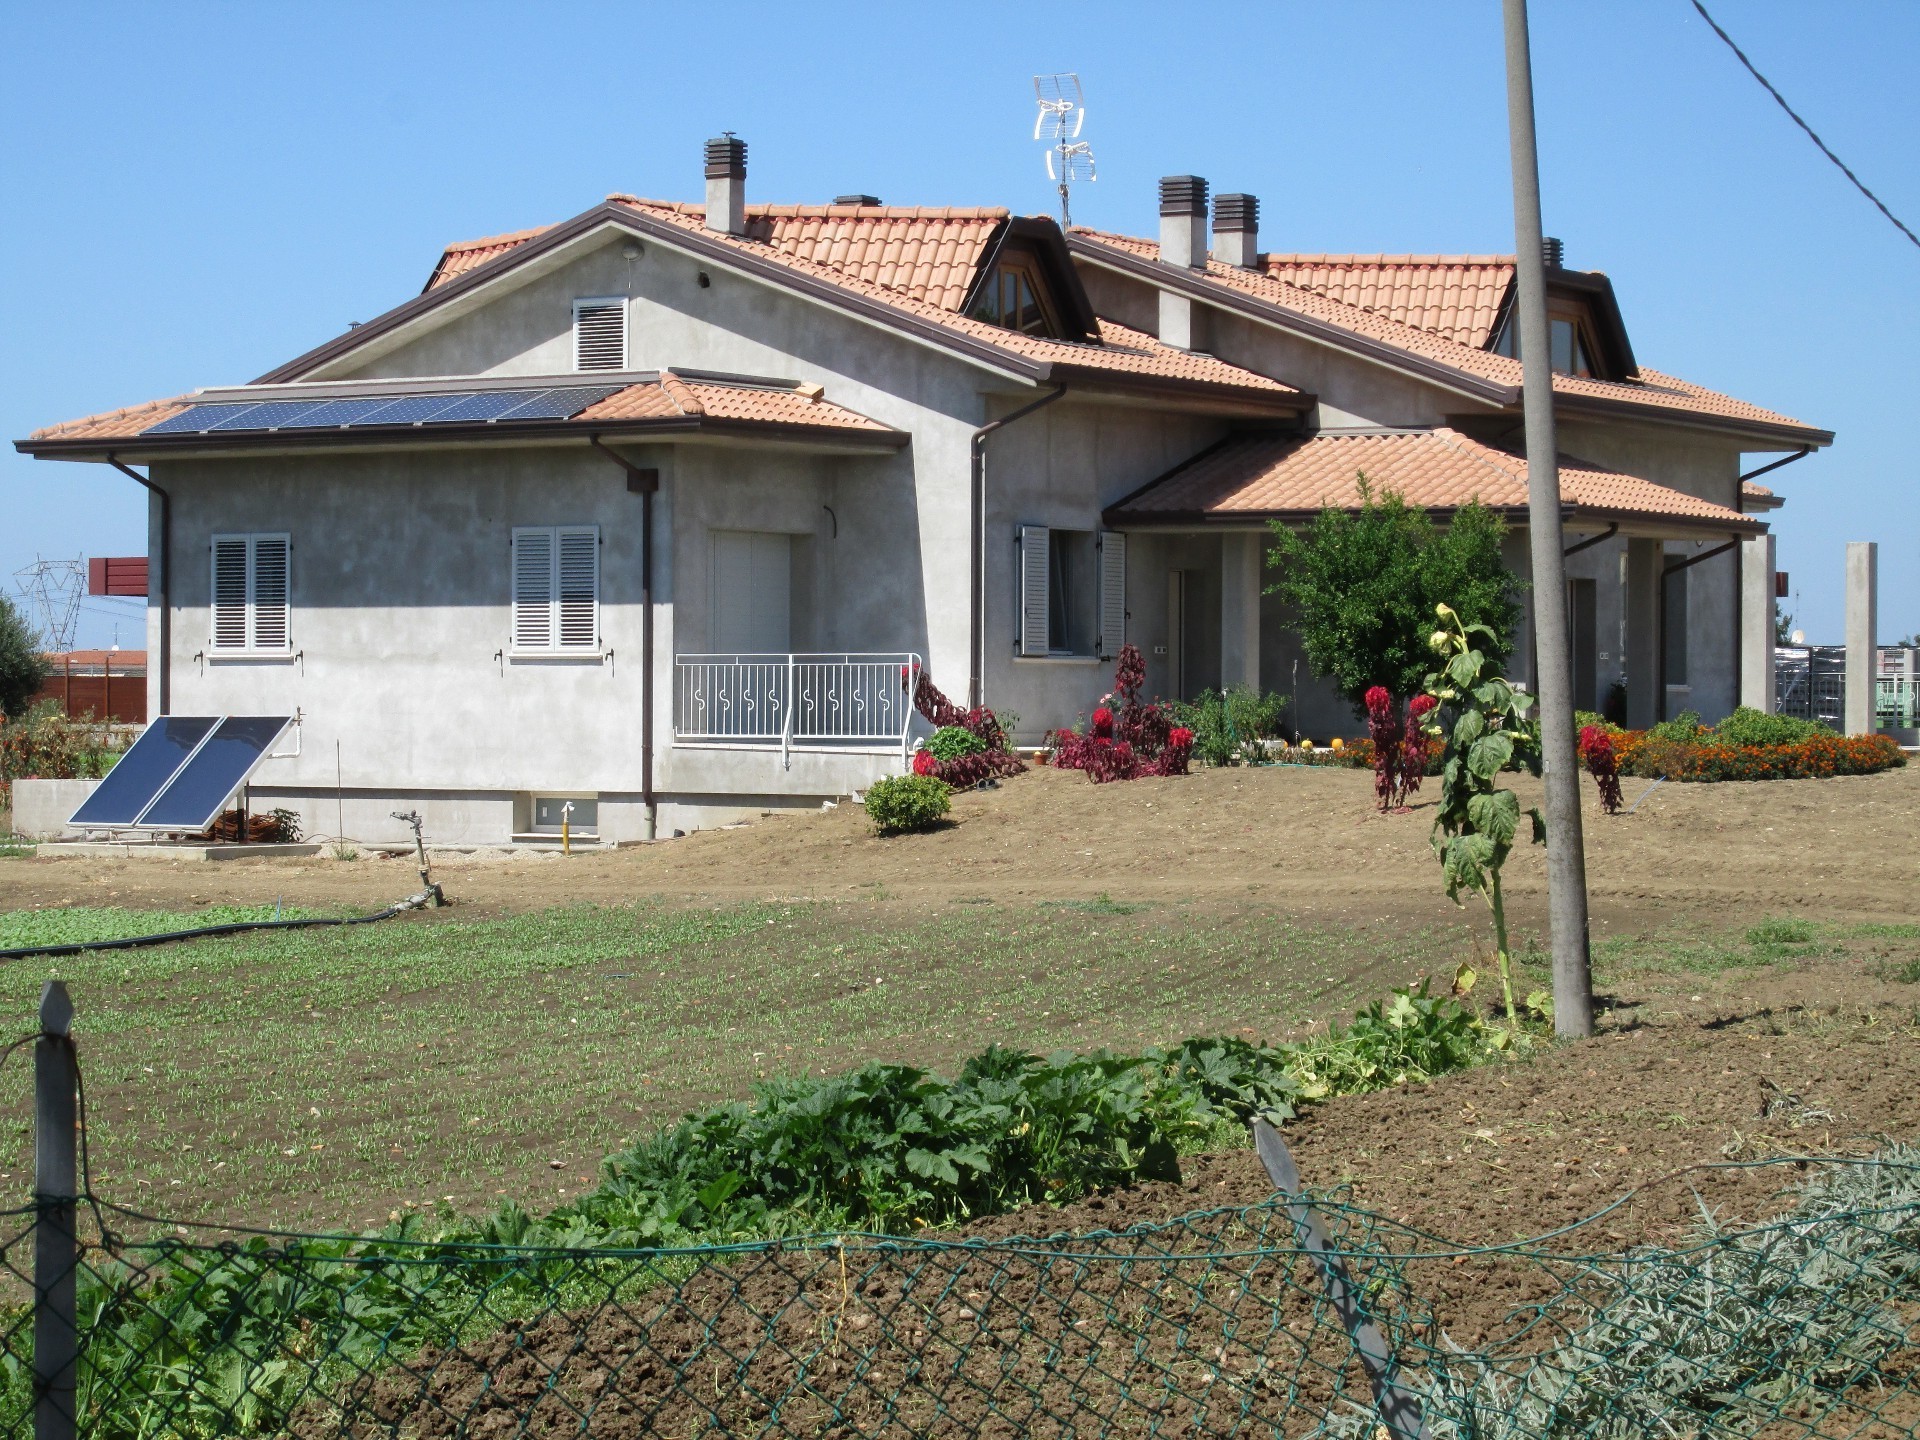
1138,739
1596,751
1397,744
962,771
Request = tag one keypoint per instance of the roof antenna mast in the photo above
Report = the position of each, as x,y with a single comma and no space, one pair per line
1063,110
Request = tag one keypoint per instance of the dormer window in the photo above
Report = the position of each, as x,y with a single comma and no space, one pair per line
1014,297
1567,343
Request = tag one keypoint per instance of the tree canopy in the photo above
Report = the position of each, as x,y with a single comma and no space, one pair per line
21,667
1364,583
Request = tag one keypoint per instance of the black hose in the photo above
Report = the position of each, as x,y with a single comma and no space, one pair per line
135,942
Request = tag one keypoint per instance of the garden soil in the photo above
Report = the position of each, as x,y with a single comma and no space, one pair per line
1646,1128
1305,840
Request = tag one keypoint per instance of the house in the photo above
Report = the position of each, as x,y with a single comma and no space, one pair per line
654,512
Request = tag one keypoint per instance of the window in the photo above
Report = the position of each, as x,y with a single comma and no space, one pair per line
751,593
1072,592
1567,344
556,589
250,595
600,334
1014,297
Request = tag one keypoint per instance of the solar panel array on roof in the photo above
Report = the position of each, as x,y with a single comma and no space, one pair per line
180,773
456,407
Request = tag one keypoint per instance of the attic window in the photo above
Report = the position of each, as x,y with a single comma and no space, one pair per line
600,334
1567,343
1014,297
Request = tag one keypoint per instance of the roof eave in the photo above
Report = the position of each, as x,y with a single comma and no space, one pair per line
1787,436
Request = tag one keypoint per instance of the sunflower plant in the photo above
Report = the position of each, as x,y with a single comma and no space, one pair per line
1494,725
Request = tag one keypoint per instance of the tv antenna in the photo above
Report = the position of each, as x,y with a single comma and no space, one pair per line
1063,110
52,591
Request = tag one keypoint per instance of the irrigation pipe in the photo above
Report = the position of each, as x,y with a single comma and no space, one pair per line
1646,792
135,942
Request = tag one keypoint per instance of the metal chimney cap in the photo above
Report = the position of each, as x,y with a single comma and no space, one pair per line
1236,212
1554,252
726,158
856,199
1183,195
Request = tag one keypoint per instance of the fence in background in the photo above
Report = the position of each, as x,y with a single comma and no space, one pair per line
109,685
779,701
1304,1316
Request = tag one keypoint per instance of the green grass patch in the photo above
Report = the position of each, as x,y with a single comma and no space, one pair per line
75,925
1774,941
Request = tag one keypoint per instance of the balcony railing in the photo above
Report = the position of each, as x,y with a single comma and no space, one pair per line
814,701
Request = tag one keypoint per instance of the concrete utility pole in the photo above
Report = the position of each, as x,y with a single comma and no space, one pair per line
1566,848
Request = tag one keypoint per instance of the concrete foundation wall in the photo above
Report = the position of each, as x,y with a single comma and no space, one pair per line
41,807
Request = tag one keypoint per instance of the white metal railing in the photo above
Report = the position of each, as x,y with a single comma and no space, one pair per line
769,701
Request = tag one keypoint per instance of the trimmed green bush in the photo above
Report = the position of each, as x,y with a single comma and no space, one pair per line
950,742
1747,726
906,802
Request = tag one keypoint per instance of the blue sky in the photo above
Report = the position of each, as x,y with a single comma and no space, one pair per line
198,192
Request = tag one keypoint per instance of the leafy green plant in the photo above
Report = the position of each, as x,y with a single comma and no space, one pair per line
1684,726
1747,726
23,669
950,742
1493,726
1365,582
901,803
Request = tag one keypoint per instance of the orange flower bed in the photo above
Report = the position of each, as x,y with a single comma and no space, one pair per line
1641,753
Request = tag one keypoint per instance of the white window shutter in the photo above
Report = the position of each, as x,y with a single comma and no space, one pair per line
270,593
577,622
600,334
230,592
1113,592
533,587
1034,560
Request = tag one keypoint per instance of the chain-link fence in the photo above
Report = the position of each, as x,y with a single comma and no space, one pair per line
1306,1315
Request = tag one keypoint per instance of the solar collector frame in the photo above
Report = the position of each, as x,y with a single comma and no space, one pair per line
550,402
179,775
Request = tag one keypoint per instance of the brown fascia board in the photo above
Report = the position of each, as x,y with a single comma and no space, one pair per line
365,436
1257,397
1197,286
1787,437
1119,517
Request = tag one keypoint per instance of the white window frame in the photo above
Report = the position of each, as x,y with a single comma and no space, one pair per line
255,611
616,303
538,618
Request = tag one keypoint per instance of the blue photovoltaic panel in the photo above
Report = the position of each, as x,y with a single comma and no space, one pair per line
219,767
143,772
559,404
269,415
411,409
341,412
199,417
488,405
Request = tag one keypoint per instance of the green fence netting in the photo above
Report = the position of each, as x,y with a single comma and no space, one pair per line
1215,1323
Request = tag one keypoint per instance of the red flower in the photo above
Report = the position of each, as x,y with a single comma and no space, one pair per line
1180,736
1422,704
1103,721
925,762
1379,702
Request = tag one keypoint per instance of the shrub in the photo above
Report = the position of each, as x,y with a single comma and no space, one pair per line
46,744
1365,583
906,802
1135,741
23,668
1647,754
1747,726
1683,727
1596,749
950,742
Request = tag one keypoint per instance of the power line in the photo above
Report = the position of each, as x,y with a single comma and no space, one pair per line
1781,100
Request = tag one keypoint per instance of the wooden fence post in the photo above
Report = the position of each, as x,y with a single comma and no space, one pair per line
56,1252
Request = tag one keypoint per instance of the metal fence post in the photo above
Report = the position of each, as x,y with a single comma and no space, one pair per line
56,1252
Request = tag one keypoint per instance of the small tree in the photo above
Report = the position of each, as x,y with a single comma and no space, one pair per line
22,667
1365,584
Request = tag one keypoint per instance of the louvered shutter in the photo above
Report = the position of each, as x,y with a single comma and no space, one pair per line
599,334
1034,559
229,592
578,623
269,588
1113,592
533,588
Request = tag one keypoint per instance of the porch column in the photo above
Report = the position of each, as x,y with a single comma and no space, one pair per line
1863,653
1240,609
1645,558
1756,623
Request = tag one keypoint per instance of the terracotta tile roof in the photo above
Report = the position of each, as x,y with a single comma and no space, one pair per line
1254,476
114,424
1652,390
464,255
1455,296
1755,492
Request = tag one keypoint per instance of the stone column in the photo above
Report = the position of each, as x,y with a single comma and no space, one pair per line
1240,609
1863,655
1756,623
1645,560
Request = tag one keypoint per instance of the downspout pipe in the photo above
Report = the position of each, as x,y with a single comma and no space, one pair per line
1740,569
977,649
159,589
1592,540
644,482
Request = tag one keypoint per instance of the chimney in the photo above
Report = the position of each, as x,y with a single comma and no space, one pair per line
856,199
727,185
1236,230
1183,242
1554,253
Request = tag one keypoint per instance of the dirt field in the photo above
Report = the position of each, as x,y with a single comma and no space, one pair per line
1304,840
